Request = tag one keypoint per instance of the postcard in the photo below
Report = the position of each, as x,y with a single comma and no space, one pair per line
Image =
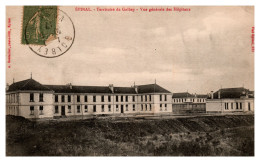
130,81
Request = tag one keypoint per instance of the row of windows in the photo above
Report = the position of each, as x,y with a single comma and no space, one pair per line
161,107
86,108
144,107
11,98
121,98
236,105
191,100
32,110
165,97
32,97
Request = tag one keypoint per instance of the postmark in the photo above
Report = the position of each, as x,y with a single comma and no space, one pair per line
49,32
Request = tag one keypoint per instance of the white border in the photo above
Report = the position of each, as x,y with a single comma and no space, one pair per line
3,3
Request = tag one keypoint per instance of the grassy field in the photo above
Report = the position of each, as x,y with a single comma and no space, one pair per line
195,136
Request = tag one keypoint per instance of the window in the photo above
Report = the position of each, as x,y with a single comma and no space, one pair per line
142,107
62,98
31,97
31,110
241,105
86,108
86,98
41,97
249,108
150,97
94,98
145,97
41,110
160,107
116,107
109,108
69,109
122,98
165,107
160,97
133,107
126,98
109,98
69,98
145,107
56,109
165,98
236,105
94,108
116,98
150,107
102,98
126,107
133,98
78,108
56,98
103,108
78,98
142,98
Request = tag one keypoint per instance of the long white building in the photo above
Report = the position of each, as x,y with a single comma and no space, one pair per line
31,99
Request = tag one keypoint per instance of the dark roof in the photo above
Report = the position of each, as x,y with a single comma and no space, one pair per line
31,84
181,95
187,95
202,96
231,92
27,85
78,89
151,88
124,90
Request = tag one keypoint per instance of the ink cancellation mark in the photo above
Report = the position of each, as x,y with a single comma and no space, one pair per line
48,31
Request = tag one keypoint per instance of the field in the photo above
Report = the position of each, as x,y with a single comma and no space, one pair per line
229,135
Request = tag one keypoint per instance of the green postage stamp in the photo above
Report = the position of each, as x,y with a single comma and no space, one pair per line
39,24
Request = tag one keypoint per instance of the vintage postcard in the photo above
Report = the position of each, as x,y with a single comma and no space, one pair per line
130,81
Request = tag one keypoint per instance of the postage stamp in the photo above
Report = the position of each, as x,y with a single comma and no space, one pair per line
48,31
39,24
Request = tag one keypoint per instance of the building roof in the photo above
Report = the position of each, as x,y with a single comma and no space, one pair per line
231,93
124,90
31,84
188,95
202,96
27,85
151,88
182,95
78,89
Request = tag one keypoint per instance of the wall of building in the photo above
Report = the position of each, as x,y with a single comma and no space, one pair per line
230,105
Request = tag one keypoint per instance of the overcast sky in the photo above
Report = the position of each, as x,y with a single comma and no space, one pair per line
196,51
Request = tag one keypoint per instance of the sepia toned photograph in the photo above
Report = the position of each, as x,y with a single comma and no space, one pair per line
130,81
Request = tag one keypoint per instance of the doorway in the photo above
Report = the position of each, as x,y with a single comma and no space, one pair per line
122,108
62,110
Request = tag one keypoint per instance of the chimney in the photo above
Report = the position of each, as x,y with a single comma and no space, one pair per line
7,86
111,87
70,85
136,88
219,94
211,95
195,95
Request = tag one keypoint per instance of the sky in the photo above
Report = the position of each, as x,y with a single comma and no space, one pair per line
197,51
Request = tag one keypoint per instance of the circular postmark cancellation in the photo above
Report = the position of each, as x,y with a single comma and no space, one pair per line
49,33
